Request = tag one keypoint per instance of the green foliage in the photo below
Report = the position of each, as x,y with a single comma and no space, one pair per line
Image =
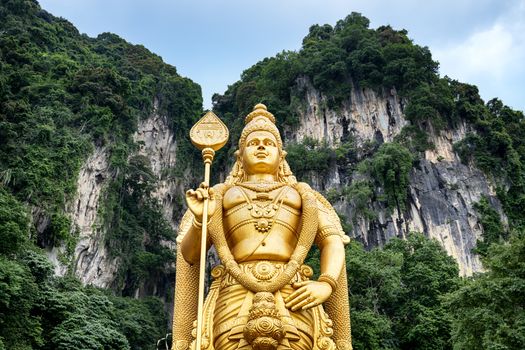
431,102
414,139
58,230
488,309
390,167
136,227
61,95
359,194
14,224
498,148
374,282
427,274
396,294
85,333
39,311
346,155
493,230
87,318
83,318
62,92
19,328
335,60
141,321
310,156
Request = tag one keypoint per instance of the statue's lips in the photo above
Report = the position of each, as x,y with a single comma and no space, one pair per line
261,155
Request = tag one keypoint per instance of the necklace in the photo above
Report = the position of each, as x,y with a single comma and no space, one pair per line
263,209
262,186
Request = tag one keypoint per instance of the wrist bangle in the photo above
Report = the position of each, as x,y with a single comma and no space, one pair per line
198,224
328,279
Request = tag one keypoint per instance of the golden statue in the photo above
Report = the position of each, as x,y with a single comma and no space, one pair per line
262,223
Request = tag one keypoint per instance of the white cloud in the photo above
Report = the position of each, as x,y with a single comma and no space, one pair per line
490,52
492,58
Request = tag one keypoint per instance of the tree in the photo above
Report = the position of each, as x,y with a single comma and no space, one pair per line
488,310
390,167
19,328
396,294
427,275
14,224
374,280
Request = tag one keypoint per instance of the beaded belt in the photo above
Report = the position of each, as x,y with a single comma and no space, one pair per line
263,271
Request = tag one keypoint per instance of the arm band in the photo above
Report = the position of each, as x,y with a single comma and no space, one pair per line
328,279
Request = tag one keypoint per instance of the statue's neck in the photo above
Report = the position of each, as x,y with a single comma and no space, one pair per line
261,178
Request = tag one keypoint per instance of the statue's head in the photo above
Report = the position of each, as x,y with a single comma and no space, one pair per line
260,148
260,120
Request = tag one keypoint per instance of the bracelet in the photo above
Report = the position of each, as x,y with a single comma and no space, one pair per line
325,232
328,279
197,224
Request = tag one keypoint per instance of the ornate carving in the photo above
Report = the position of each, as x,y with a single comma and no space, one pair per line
181,345
209,132
264,270
344,345
264,330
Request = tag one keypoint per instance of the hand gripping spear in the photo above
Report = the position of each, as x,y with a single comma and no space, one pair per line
209,134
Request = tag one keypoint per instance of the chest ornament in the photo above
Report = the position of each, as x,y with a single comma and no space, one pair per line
263,208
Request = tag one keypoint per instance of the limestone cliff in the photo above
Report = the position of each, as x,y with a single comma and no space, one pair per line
157,142
443,191
91,260
365,115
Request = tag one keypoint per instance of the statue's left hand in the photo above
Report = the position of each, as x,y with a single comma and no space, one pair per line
308,294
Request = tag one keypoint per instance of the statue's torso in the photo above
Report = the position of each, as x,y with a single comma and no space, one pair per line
262,225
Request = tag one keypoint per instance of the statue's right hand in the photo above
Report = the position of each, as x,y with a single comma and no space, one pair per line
195,200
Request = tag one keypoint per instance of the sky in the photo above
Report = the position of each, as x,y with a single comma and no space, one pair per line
212,42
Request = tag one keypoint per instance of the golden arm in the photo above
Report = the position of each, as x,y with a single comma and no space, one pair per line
312,293
332,249
332,256
191,243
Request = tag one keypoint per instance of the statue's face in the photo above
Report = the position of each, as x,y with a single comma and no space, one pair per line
261,153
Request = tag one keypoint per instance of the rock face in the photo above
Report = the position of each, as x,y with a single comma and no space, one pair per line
92,262
443,191
365,116
157,143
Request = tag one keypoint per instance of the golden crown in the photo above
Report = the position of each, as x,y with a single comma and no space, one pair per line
260,119
259,110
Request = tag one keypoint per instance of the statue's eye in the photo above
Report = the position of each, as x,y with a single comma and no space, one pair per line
269,143
252,143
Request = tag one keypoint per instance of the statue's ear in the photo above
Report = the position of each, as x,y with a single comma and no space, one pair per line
237,154
284,153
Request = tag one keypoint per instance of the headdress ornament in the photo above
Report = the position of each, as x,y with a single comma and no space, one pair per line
260,119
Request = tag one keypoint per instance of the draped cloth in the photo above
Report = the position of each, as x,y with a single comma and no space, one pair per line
228,307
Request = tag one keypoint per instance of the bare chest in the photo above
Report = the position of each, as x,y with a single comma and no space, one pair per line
284,195
262,225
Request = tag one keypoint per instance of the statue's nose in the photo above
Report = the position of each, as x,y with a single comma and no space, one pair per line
261,147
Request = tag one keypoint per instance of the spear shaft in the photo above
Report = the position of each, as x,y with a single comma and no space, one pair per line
209,134
207,156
